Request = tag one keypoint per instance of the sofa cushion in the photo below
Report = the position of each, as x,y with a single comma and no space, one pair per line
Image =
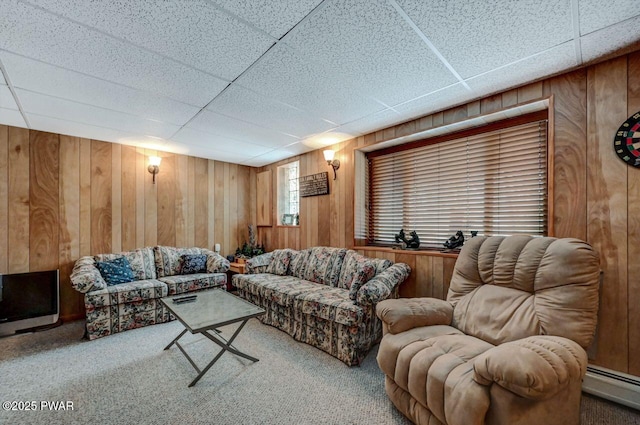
180,284
324,264
280,261
167,259
141,260
115,271
299,262
279,289
356,271
331,304
125,293
193,263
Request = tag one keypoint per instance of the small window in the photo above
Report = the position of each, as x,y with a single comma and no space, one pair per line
288,194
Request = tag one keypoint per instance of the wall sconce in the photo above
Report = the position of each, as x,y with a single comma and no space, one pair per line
334,163
154,166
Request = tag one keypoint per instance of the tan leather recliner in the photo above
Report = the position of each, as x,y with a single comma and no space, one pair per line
507,346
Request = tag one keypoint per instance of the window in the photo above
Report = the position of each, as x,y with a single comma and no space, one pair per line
492,182
288,194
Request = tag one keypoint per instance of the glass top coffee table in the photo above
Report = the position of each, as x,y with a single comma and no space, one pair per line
204,313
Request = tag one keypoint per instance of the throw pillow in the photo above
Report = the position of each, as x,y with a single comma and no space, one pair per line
364,269
193,263
280,261
115,271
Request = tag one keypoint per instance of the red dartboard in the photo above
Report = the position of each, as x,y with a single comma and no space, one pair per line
627,141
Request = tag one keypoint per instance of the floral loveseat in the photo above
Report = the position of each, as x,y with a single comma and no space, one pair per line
325,297
156,273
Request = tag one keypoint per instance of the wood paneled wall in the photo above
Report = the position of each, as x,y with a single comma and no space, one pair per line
64,197
596,195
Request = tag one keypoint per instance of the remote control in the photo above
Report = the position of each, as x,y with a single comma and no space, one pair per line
185,298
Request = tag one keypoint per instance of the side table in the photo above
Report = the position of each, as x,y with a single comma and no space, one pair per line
234,268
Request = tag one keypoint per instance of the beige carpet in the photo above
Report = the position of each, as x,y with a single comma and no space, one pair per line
128,379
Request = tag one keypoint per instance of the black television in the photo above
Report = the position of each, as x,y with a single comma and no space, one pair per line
28,300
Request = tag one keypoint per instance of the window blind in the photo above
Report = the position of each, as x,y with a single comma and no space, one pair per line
494,183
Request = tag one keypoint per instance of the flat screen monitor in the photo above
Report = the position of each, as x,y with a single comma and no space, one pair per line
28,300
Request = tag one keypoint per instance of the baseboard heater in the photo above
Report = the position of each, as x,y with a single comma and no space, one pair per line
613,385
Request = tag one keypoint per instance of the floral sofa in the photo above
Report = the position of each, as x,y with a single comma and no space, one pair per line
156,271
325,297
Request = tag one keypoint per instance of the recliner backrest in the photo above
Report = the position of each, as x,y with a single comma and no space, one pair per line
507,288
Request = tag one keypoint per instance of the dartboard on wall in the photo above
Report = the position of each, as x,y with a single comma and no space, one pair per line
627,141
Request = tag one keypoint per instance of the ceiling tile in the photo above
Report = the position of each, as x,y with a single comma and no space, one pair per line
54,81
12,117
232,128
212,153
56,125
6,99
2,81
214,142
35,103
270,157
34,33
547,63
368,57
299,148
610,39
243,104
223,46
476,36
597,14
433,102
318,89
371,123
274,17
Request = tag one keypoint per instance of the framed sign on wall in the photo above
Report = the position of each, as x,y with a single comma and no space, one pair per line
314,184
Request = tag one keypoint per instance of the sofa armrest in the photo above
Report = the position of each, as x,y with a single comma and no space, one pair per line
381,286
536,367
402,314
216,263
258,264
86,277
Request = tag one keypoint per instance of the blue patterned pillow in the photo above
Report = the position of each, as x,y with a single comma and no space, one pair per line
193,263
115,271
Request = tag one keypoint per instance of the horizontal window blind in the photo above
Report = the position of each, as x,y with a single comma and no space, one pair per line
494,183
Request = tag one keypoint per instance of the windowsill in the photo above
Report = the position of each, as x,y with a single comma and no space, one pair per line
431,252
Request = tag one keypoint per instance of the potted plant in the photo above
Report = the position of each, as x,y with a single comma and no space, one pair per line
250,249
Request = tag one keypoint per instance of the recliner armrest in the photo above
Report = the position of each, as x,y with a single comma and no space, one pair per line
536,367
402,314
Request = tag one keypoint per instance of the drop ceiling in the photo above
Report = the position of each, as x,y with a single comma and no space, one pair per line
254,82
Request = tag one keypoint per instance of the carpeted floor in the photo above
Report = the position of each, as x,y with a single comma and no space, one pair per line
128,379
